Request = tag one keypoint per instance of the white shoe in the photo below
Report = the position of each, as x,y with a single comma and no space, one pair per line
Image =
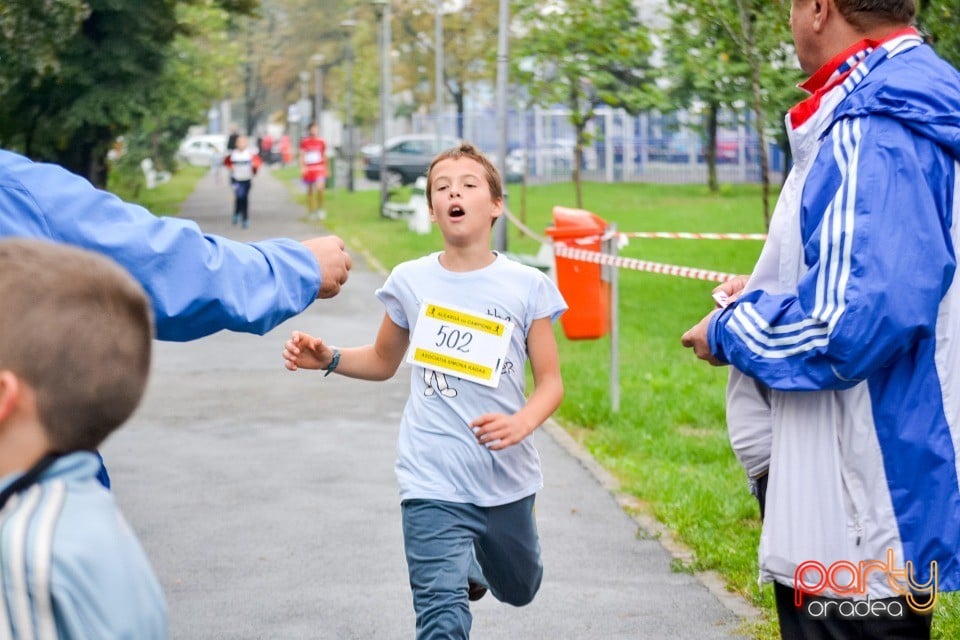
320,214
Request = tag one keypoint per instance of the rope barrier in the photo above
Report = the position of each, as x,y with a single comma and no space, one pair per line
524,228
563,251
668,235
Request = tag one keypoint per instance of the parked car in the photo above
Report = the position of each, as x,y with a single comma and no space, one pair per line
728,147
728,151
675,147
679,147
408,157
203,150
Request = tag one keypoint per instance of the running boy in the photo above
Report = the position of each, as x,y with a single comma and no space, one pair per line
313,170
467,468
75,337
243,164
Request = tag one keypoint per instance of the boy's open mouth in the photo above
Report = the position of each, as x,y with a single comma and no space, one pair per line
456,211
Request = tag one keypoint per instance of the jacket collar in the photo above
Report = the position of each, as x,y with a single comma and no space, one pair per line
836,71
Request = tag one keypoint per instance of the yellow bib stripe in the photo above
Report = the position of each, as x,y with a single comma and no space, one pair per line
477,323
434,359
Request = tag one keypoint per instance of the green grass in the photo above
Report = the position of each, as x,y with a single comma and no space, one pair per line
668,444
165,199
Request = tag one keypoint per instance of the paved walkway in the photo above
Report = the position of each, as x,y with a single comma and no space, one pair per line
267,501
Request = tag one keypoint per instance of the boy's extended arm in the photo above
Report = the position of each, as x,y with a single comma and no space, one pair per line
380,360
504,430
377,361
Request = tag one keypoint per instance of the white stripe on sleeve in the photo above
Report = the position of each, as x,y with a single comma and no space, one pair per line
56,491
19,527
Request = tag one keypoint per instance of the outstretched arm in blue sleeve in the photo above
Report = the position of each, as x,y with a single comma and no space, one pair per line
198,283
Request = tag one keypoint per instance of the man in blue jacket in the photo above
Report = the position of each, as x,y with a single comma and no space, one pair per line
844,396
198,284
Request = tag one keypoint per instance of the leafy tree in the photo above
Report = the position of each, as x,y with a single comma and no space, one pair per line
703,66
737,52
48,24
941,20
103,74
280,45
193,76
469,49
581,53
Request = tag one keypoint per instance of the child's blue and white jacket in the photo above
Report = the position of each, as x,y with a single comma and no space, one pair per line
70,565
845,345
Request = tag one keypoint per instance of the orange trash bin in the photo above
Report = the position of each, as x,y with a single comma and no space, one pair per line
580,283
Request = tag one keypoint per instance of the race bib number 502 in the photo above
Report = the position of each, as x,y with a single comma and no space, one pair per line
460,342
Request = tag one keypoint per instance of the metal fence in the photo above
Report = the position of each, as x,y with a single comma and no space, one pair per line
649,147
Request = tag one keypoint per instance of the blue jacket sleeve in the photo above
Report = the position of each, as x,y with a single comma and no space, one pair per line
198,283
875,225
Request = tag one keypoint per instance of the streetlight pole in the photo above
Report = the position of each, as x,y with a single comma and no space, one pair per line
304,92
438,69
348,26
503,69
382,7
248,82
317,60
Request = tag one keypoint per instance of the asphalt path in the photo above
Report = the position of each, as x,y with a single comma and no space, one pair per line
267,501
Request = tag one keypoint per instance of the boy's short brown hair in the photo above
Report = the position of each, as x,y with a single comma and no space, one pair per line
467,150
77,329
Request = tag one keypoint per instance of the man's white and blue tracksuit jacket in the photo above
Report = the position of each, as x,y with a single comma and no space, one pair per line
845,345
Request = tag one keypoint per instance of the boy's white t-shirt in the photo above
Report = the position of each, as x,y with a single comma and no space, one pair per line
438,457
242,164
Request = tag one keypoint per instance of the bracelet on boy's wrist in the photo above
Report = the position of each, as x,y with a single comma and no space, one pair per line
333,363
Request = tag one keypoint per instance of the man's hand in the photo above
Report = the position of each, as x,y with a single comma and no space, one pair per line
334,263
696,338
732,288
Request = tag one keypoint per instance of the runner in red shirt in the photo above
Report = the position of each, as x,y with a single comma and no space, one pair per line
313,170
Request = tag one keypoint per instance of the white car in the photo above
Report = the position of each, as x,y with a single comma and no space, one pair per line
203,150
554,158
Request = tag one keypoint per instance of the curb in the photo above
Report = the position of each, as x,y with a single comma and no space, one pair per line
652,528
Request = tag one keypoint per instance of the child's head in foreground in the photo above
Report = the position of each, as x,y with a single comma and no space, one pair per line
470,152
75,340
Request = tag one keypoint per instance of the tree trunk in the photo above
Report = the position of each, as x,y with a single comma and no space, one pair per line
579,124
759,114
578,162
746,25
459,99
86,158
711,155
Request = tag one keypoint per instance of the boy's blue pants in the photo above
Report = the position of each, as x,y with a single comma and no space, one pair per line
445,541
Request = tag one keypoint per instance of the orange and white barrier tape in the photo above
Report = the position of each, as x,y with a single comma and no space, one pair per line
563,251
670,235
666,235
